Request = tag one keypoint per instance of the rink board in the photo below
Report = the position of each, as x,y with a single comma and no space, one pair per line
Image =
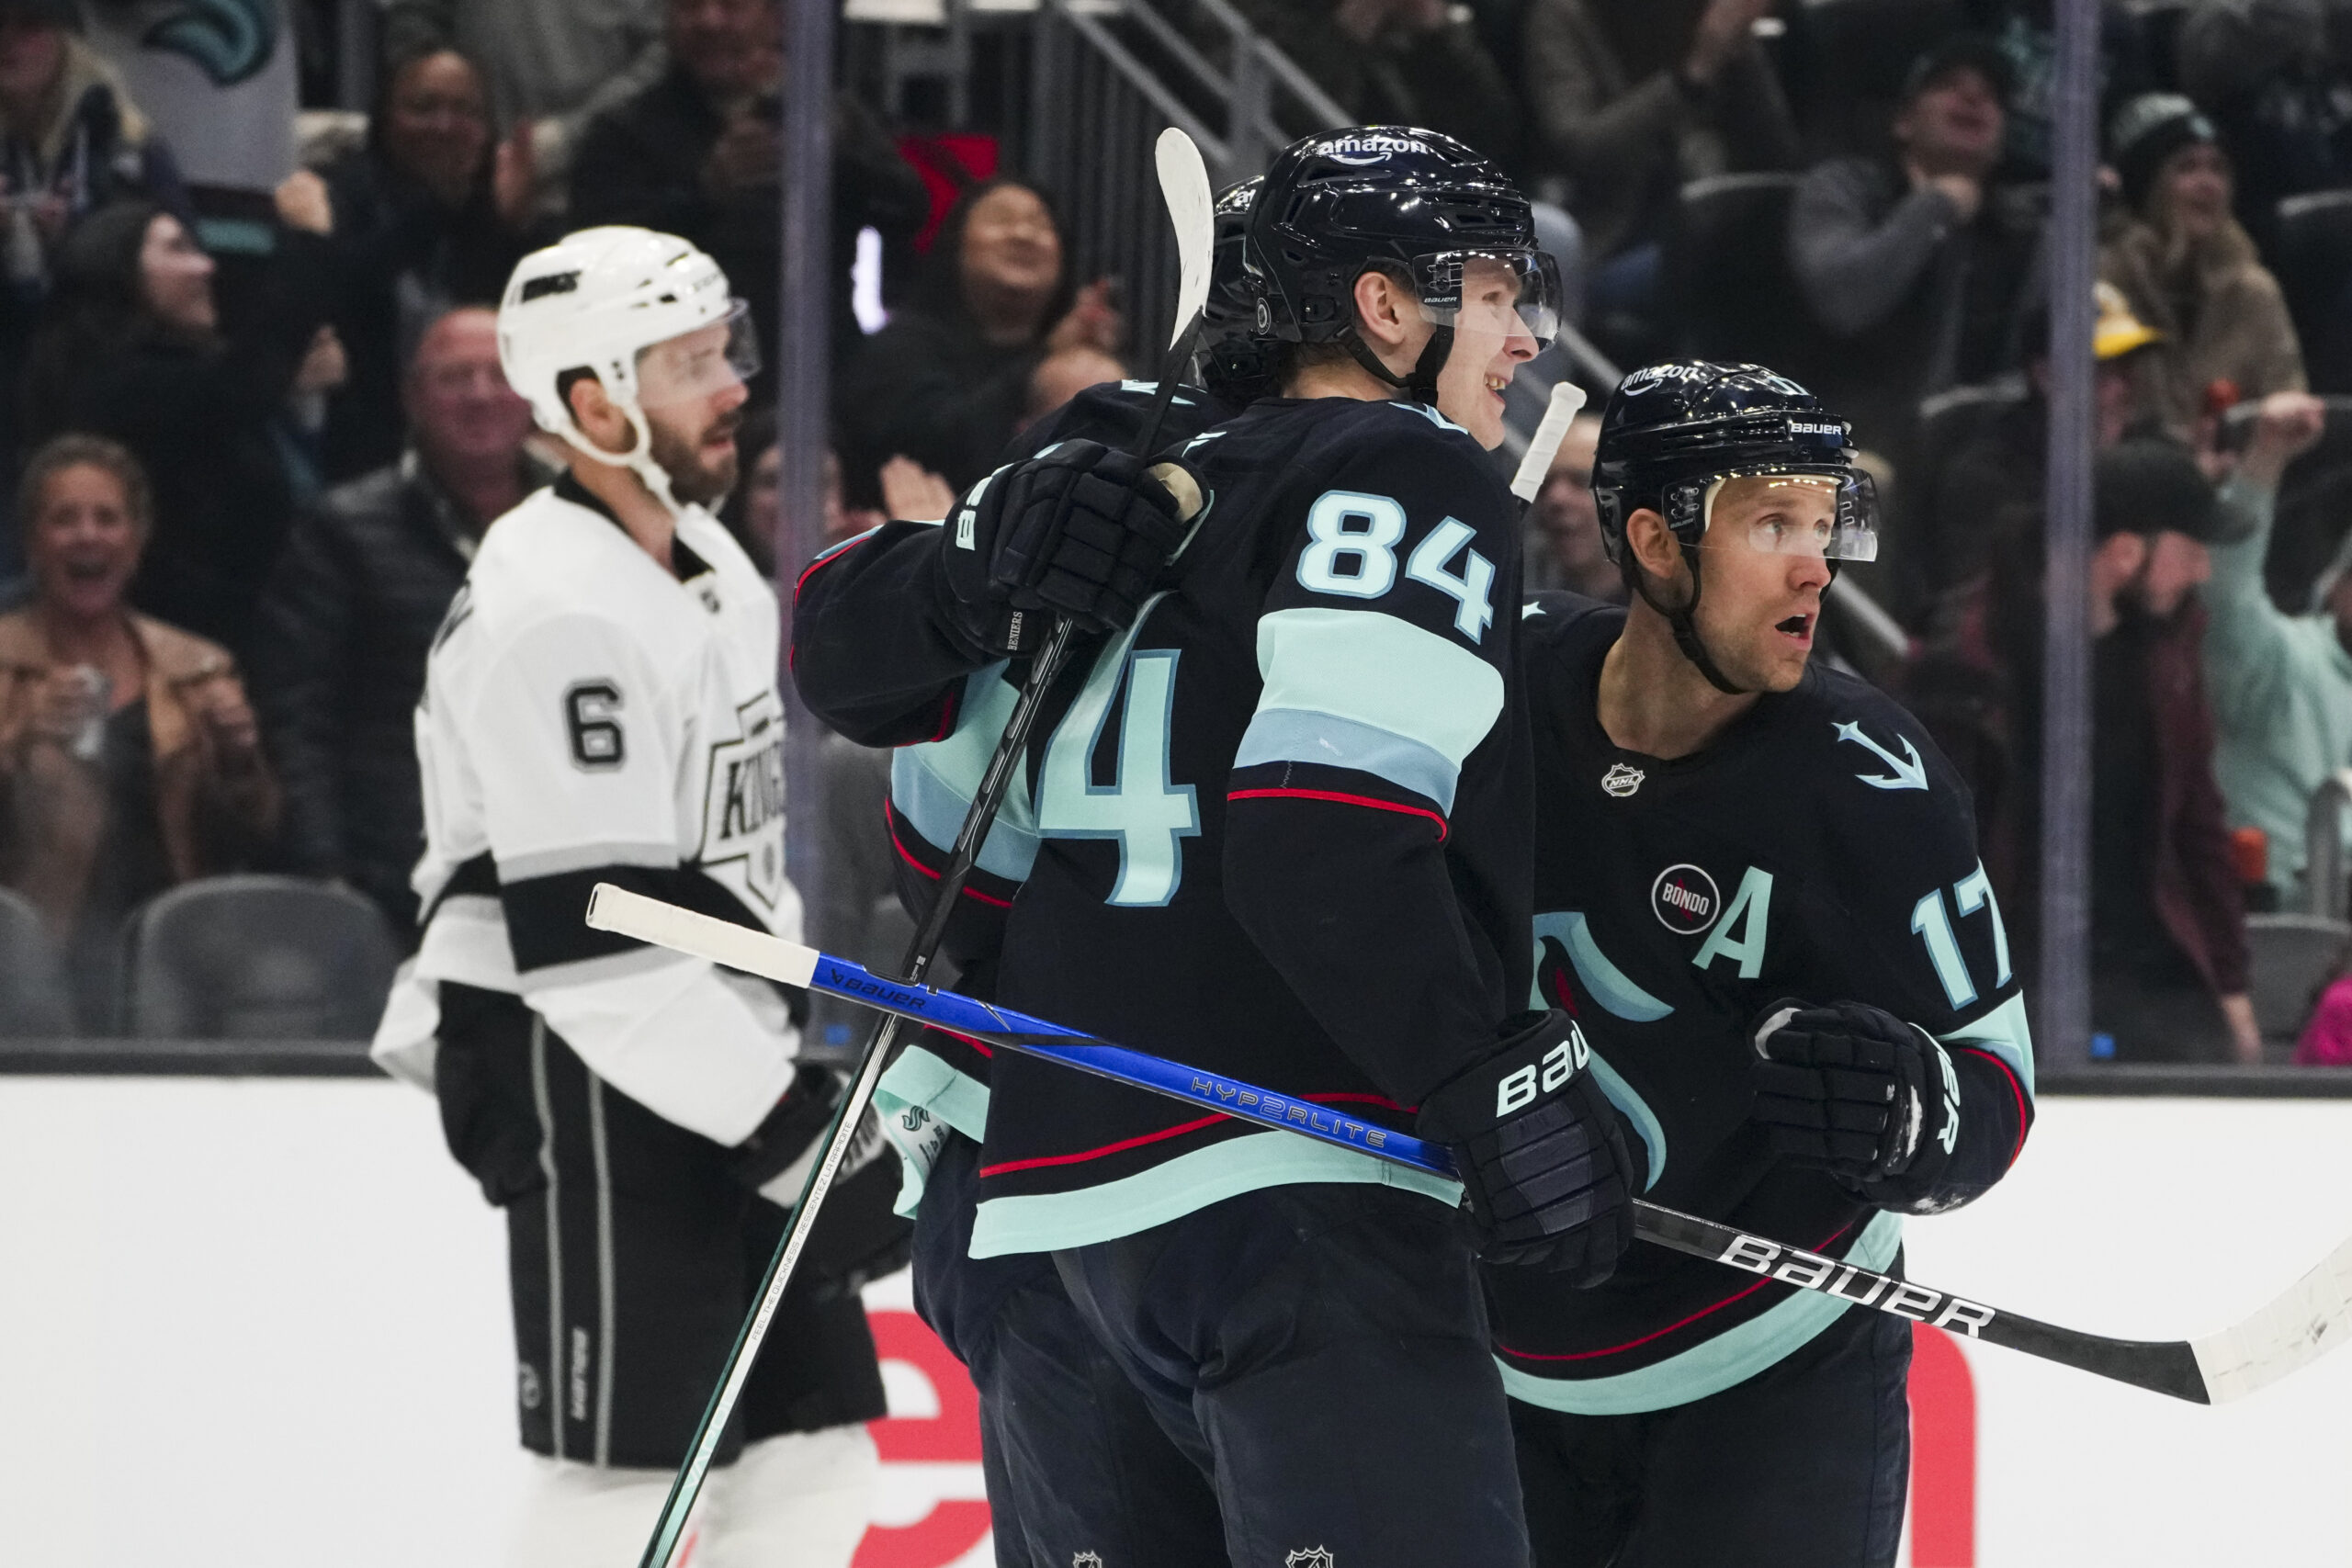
262,1324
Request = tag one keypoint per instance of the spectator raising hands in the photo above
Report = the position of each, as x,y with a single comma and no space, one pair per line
1916,264
997,335
133,348
696,154
427,215
2281,683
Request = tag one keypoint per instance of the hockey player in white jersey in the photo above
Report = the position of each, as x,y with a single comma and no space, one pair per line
600,705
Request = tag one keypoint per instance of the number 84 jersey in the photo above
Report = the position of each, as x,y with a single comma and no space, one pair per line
1277,829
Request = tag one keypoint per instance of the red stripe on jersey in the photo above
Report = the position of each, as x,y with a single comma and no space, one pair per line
1106,1149
969,892
1169,1132
2015,1088
1344,800
824,559
947,706
984,1050
1660,1333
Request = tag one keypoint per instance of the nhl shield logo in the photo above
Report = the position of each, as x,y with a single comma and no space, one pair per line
1308,1557
1621,780
1086,1559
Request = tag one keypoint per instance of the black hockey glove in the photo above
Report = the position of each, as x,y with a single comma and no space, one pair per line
1852,1089
774,1161
1548,1172
1080,530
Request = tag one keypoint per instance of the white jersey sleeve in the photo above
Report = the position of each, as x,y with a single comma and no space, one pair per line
578,748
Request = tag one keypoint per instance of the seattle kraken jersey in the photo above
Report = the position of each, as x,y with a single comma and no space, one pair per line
1822,849
589,716
1276,829
940,1081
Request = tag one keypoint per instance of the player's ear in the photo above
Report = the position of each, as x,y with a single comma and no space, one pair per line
1654,547
1382,308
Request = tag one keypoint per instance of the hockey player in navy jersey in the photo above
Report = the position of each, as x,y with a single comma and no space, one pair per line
1278,823
1065,1440
1757,886
600,705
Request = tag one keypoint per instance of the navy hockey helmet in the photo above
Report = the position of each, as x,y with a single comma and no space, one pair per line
1671,431
1672,435
1236,364
1415,203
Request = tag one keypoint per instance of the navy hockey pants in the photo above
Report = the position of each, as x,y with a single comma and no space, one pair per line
1802,1466
1068,1449
1320,1352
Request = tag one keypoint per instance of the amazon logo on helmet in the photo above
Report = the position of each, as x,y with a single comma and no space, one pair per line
1338,202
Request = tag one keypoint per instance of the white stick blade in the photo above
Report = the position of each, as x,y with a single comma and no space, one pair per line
1567,399
612,909
1184,187
2296,1329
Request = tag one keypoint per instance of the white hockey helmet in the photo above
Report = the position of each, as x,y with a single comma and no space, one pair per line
597,301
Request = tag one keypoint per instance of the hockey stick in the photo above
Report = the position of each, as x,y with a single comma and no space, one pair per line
2288,1334
1184,183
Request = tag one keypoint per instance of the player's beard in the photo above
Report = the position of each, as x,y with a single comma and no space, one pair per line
696,478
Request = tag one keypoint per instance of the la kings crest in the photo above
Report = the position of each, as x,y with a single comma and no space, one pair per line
742,809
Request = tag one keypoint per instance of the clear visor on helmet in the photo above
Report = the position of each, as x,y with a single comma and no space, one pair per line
1492,294
697,363
1831,512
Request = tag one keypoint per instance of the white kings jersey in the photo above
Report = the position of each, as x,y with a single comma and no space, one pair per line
588,716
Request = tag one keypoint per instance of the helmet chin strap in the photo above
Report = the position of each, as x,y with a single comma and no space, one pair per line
1682,621
1420,384
638,460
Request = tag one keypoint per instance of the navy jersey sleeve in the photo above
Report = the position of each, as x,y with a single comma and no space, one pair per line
1929,945
871,652
1386,649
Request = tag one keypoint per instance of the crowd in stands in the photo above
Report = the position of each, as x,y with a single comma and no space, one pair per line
253,422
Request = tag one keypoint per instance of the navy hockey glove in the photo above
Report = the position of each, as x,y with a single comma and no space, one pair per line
1547,1170
1080,530
1852,1089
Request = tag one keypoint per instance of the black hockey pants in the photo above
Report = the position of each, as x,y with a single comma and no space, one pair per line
1803,1465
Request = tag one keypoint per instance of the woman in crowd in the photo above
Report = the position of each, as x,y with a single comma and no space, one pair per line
129,760
996,336
2190,270
134,349
429,214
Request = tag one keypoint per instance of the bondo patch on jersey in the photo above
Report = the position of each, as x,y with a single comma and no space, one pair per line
743,803
1685,899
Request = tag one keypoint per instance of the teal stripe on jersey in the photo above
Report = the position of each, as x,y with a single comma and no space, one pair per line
921,1079
1602,980
1382,673
1731,1357
918,1100
933,784
2004,1033
1620,1093
1047,1222
1290,735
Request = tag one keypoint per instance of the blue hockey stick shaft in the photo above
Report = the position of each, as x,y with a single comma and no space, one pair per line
993,1025
650,920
